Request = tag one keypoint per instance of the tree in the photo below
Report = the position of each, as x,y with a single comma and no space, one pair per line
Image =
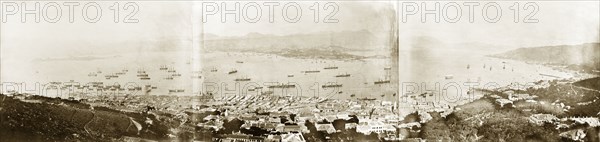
311,127
283,119
231,126
313,135
255,131
293,117
339,124
435,129
353,119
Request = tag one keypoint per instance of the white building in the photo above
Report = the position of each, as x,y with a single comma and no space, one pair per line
292,137
374,126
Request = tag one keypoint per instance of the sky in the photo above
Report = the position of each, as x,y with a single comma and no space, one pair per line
178,24
157,20
560,23
351,16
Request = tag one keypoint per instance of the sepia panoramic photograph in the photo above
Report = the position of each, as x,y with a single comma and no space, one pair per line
300,71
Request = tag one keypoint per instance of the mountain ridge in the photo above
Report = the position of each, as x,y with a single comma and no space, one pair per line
349,40
578,57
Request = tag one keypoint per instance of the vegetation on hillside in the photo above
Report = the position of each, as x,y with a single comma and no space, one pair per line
485,120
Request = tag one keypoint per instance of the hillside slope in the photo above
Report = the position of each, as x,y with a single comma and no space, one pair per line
578,57
37,118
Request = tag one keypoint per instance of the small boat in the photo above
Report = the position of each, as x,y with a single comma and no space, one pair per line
254,88
290,75
171,70
176,90
92,74
449,76
266,93
239,62
468,66
387,68
367,99
55,83
141,71
163,67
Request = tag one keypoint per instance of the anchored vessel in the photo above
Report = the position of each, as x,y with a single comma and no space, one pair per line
312,71
331,67
283,86
233,71
242,79
343,75
176,90
331,85
382,81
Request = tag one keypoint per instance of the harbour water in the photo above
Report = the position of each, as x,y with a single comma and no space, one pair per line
455,71
43,71
440,66
266,70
